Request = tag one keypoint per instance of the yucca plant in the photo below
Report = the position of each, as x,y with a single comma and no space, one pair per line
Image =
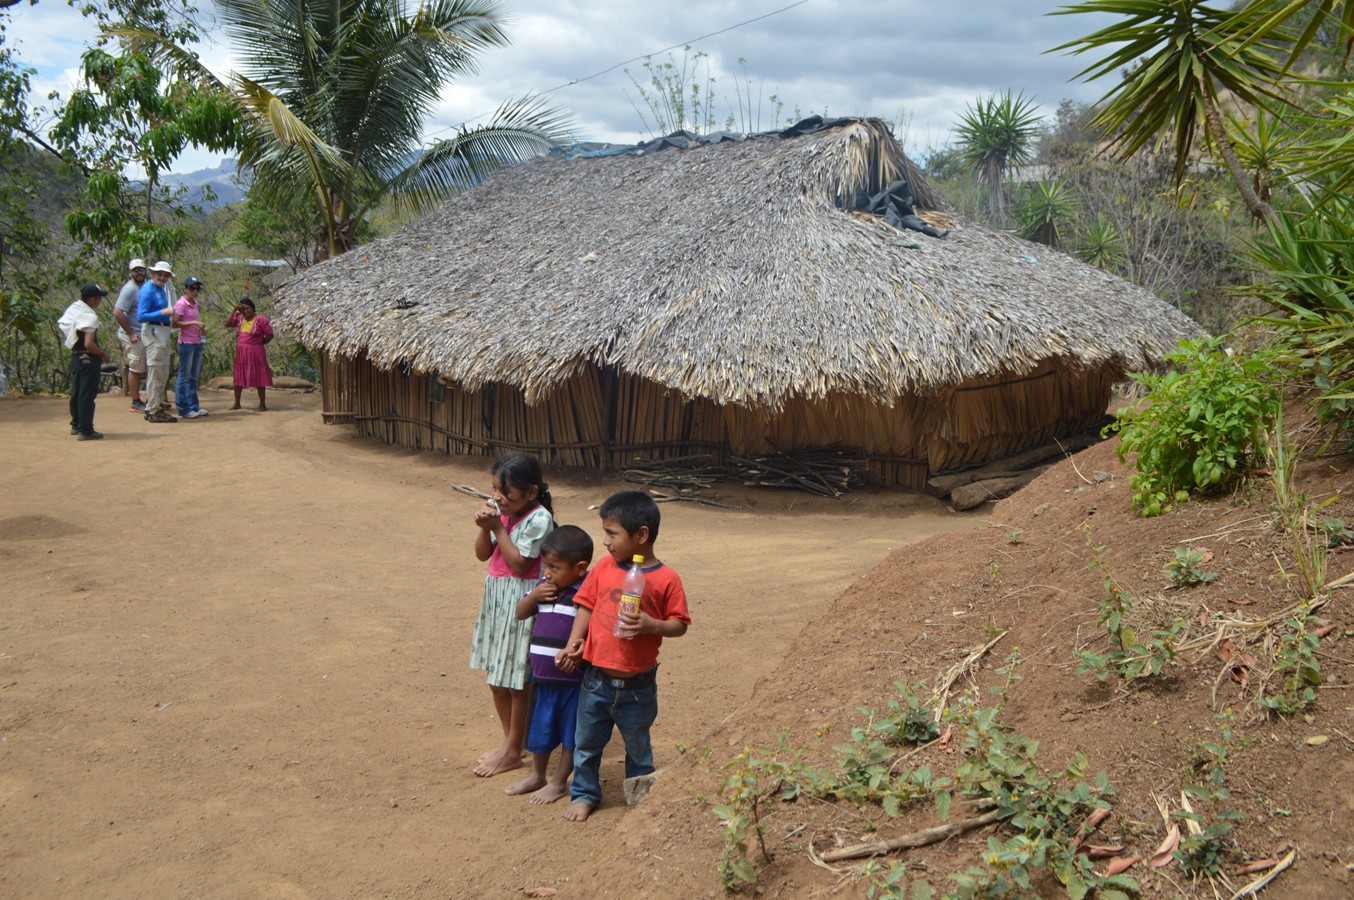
1045,211
1102,244
1269,149
1304,270
994,135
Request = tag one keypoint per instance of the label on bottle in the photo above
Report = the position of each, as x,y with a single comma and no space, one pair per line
629,604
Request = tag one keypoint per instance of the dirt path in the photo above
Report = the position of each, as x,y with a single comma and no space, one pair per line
233,654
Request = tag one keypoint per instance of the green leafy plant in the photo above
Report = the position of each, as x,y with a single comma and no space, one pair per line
1184,569
752,779
884,879
1200,425
911,721
1128,656
1041,812
1015,536
1295,665
1336,532
1202,848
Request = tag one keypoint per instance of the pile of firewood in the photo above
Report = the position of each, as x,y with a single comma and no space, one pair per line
828,471
683,473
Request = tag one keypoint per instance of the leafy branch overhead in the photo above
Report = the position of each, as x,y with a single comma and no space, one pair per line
335,97
1183,55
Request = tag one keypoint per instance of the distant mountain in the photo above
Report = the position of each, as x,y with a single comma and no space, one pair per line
222,180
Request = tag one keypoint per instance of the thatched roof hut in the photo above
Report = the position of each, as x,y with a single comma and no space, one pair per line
723,299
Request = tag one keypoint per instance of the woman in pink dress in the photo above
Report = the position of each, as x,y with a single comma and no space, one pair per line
251,360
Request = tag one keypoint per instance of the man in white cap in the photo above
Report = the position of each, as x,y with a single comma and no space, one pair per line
157,330
129,330
79,326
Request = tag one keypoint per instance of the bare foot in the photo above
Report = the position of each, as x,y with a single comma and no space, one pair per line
236,406
263,409
578,811
498,763
479,760
532,782
551,792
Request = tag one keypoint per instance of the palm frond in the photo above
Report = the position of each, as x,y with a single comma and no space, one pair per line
518,130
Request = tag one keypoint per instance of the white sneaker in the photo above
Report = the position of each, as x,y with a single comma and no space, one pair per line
200,412
191,414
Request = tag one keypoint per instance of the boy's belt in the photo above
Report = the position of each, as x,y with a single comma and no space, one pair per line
633,682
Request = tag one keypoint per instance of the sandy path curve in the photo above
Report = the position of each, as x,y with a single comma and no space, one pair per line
233,654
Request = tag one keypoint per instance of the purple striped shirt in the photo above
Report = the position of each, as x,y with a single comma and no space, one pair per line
554,622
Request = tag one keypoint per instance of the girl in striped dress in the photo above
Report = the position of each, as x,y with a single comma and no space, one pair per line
511,528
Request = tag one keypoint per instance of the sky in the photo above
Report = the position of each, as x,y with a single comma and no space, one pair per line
917,64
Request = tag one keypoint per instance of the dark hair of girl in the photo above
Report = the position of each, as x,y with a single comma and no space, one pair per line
522,471
249,303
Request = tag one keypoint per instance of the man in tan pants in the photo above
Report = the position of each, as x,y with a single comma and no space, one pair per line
129,331
157,330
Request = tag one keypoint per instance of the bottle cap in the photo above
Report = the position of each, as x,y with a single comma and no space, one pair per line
638,558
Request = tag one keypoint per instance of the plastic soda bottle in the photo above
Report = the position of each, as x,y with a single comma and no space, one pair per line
632,589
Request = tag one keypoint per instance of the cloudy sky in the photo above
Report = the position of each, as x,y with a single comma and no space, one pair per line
918,64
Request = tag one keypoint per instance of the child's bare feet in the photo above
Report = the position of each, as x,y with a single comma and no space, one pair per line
549,793
498,763
236,406
479,760
532,782
578,811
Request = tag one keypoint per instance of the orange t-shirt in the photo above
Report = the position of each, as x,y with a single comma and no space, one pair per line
664,598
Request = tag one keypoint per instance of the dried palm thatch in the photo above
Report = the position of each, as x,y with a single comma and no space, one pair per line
721,299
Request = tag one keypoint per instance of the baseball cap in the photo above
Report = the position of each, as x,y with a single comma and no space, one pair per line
92,290
136,264
162,266
192,282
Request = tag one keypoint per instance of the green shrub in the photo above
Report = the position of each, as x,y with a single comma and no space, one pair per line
1201,424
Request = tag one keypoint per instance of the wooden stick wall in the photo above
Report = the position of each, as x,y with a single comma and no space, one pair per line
904,444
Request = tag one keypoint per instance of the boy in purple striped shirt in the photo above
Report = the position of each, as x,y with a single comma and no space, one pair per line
566,554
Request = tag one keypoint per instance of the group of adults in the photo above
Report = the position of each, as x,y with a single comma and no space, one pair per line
146,326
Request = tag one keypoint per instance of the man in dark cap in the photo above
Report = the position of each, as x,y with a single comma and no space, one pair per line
80,326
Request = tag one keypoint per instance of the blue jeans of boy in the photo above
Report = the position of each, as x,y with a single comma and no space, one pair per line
190,371
630,705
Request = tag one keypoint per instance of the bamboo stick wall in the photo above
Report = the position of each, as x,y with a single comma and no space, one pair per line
601,419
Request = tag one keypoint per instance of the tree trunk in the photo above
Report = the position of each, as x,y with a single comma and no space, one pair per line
996,186
1259,209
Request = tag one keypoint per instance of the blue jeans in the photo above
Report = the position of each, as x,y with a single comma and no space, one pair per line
190,370
602,704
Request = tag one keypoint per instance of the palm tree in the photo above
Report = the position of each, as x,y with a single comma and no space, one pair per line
1182,55
996,134
336,93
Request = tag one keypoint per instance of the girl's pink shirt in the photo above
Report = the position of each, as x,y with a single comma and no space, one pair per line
530,529
186,309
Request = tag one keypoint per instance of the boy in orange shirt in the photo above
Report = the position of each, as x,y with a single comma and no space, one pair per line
620,649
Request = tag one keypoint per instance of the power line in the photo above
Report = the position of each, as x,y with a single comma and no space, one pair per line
560,87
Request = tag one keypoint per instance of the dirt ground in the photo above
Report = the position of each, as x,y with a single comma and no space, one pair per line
233,656
1024,583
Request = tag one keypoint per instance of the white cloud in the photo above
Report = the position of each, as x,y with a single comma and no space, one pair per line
923,61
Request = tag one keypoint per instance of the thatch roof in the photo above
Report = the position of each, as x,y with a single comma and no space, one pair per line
726,271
